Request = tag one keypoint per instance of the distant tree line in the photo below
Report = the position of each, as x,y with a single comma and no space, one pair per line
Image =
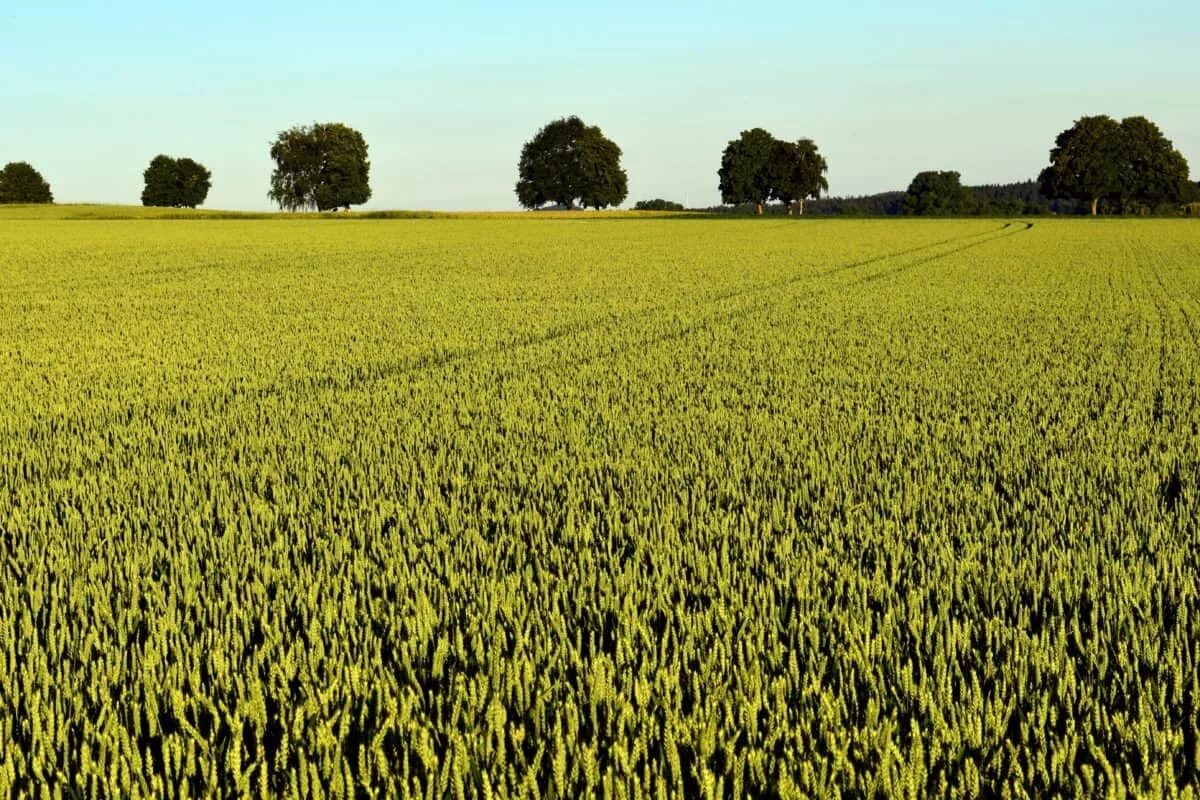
1008,200
657,204
1097,166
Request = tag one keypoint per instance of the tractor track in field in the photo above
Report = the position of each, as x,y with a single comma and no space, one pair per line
1169,412
937,257
214,402
866,262
718,318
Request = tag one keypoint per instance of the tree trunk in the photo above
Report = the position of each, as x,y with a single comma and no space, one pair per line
1095,202
570,204
758,209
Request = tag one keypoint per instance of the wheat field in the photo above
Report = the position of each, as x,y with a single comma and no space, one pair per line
598,505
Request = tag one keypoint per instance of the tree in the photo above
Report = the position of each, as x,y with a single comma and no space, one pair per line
937,194
194,182
321,167
744,175
571,163
21,183
657,204
1086,162
756,167
796,171
1129,163
605,182
1152,170
175,183
159,180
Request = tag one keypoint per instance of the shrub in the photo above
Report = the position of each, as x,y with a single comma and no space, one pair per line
657,204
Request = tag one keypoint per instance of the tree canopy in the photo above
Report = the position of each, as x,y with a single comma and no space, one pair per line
175,182
1152,170
744,176
321,167
756,168
657,204
1085,161
1130,163
21,183
572,164
937,194
796,171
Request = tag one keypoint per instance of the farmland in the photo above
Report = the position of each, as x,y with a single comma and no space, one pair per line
617,506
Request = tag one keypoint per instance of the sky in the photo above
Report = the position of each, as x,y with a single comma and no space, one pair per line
446,93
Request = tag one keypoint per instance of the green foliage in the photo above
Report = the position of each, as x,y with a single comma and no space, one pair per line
175,183
161,187
1130,163
321,167
571,163
1153,171
1085,163
636,508
937,194
757,167
796,171
195,181
21,183
744,175
657,204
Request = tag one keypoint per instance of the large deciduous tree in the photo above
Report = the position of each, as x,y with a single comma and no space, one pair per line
322,167
571,163
796,170
744,174
1152,170
1086,162
21,183
1129,162
175,182
756,168
937,194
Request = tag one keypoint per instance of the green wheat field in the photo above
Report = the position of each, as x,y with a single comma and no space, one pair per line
597,505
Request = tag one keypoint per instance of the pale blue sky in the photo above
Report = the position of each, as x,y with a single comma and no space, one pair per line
446,95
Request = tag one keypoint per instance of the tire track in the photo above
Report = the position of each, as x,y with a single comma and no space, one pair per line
939,256
215,402
866,262
722,317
